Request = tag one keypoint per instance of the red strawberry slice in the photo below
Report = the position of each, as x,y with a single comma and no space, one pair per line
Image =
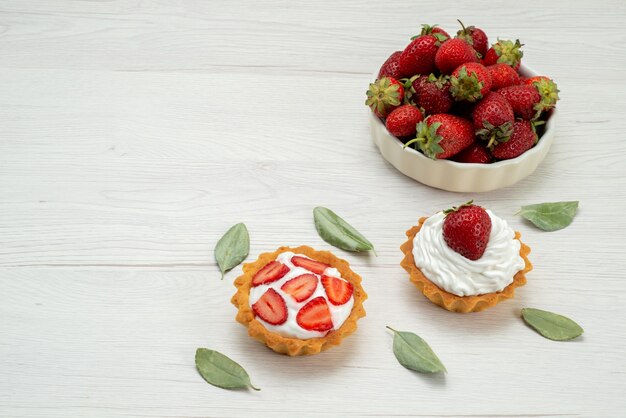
338,291
315,315
311,265
302,287
270,273
271,308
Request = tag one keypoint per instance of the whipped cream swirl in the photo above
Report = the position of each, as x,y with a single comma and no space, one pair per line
459,275
290,328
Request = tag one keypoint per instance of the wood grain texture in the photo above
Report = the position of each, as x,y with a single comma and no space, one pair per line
134,133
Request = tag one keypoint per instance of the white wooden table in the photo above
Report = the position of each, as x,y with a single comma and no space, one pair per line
134,133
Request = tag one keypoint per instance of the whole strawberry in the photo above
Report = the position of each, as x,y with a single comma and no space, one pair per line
442,136
506,52
522,139
475,37
453,53
419,56
432,94
493,119
466,230
547,88
391,67
402,121
470,82
475,153
525,101
384,95
502,75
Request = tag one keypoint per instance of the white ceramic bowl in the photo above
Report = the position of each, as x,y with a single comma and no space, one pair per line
462,177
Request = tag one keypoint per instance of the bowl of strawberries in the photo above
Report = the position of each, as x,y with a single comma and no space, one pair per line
459,114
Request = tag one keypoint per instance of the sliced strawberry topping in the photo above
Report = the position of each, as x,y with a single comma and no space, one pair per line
270,273
271,308
338,291
315,315
302,287
310,265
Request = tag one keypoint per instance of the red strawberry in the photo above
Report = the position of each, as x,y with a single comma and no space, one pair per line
475,37
531,80
475,153
432,94
308,264
270,273
384,95
402,121
391,67
271,308
442,136
547,89
522,139
466,230
525,100
453,53
470,82
301,287
338,291
493,119
502,75
419,56
315,315
507,52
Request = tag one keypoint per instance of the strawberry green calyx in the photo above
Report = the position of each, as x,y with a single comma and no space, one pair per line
407,84
440,81
456,208
427,140
383,96
509,52
533,125
431,30
465,33
549,92
495,134
466,86
428,29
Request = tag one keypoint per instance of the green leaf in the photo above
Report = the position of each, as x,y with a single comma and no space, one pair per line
550,325
220,371
414,353
339,233
550,216
232,248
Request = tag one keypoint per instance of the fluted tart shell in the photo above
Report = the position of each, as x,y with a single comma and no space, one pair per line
450,301
296,346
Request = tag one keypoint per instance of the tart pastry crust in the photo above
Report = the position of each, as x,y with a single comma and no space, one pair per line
451,301
296,346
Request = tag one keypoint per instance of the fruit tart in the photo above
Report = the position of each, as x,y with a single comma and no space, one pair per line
299,301
465,259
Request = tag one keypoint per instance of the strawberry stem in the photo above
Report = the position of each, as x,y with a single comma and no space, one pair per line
413,141
462,25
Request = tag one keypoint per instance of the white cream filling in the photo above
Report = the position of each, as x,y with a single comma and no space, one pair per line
290,328
459,275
